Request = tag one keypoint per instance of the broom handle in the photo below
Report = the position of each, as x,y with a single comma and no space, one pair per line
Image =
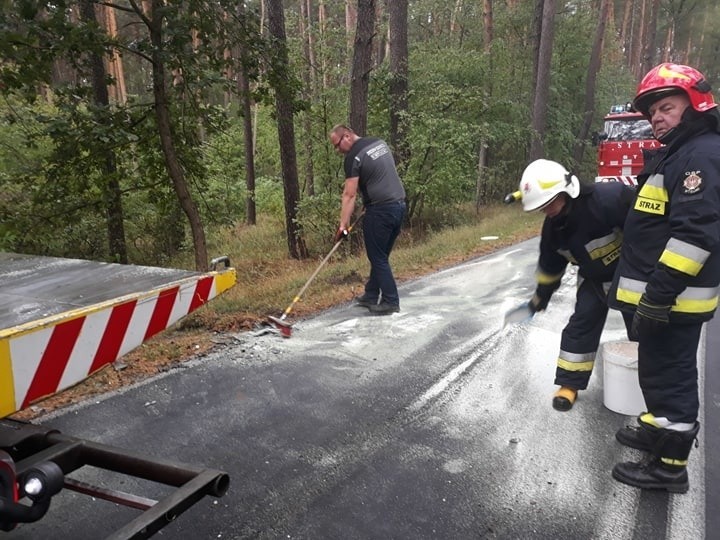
317,270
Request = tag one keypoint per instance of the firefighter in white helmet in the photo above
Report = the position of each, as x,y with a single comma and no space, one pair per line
583,227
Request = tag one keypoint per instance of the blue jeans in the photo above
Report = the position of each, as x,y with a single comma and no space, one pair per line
381,226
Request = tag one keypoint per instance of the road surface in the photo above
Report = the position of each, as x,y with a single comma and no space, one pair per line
430,423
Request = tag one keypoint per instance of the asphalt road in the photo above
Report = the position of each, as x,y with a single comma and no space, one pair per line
430,423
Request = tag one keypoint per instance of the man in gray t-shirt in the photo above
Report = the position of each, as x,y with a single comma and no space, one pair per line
370,167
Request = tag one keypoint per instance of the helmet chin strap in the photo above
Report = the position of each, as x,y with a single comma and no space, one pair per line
669,136
688,123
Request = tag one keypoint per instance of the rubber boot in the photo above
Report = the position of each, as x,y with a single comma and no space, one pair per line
666,467
564,398
641,437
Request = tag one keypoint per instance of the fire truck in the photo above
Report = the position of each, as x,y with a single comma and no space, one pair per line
626,133
62,320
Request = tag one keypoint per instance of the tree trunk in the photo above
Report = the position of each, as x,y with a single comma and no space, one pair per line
305,22
250,206
638,41
542,82
351,21
322,27
648,57
286,130
249,140
454,16
536,34
593,69
399,82
162,116
111,189
626,32
361,66
669,43
488,36
381,43
479,185
114,63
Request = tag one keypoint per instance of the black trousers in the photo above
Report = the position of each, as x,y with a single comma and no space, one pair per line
667,371
581,336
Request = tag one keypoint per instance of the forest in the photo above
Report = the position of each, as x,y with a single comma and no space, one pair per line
137,130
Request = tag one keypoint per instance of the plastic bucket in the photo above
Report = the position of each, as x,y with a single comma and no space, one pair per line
621,389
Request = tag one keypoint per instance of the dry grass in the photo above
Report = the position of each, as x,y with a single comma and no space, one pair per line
268,280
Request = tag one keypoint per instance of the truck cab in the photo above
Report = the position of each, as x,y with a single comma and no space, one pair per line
626,133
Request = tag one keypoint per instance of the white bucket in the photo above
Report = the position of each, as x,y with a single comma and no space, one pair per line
621,389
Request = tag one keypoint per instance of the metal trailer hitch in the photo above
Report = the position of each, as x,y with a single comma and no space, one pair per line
38,484
35,462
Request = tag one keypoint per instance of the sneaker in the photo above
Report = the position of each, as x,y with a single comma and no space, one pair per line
366,301
384,308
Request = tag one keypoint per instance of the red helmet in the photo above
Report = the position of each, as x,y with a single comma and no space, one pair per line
668,79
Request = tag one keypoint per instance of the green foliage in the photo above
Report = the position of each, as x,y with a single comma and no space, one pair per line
318,219
225,193
57,143
270,198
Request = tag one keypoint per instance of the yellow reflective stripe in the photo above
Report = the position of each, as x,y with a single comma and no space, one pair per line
684,256
601,247
692,300
692,305
680,263
547,279
649,418
575,366
7,382
676,462
654,188
629,297
656,193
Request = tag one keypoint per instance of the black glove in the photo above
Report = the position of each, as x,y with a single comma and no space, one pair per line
341,234
541,298
649,318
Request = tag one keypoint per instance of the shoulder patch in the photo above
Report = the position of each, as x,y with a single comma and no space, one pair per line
693,183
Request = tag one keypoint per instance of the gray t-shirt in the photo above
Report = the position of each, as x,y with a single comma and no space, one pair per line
372,162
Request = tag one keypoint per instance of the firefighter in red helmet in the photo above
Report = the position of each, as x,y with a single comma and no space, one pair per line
669,270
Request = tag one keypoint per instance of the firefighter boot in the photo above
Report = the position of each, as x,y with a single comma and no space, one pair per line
564,398
665,468
641,437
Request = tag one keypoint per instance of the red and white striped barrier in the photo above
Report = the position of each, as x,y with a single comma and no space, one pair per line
46,356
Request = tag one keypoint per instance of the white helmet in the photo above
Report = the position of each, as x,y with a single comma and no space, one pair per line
543,180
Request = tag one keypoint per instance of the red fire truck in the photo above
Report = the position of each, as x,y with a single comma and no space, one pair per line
625,135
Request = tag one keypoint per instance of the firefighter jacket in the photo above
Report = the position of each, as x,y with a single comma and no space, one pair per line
588,235
672,234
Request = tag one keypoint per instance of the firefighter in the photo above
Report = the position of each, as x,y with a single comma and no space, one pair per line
669,270
583,227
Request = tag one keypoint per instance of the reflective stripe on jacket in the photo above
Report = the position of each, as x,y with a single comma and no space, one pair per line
672,234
